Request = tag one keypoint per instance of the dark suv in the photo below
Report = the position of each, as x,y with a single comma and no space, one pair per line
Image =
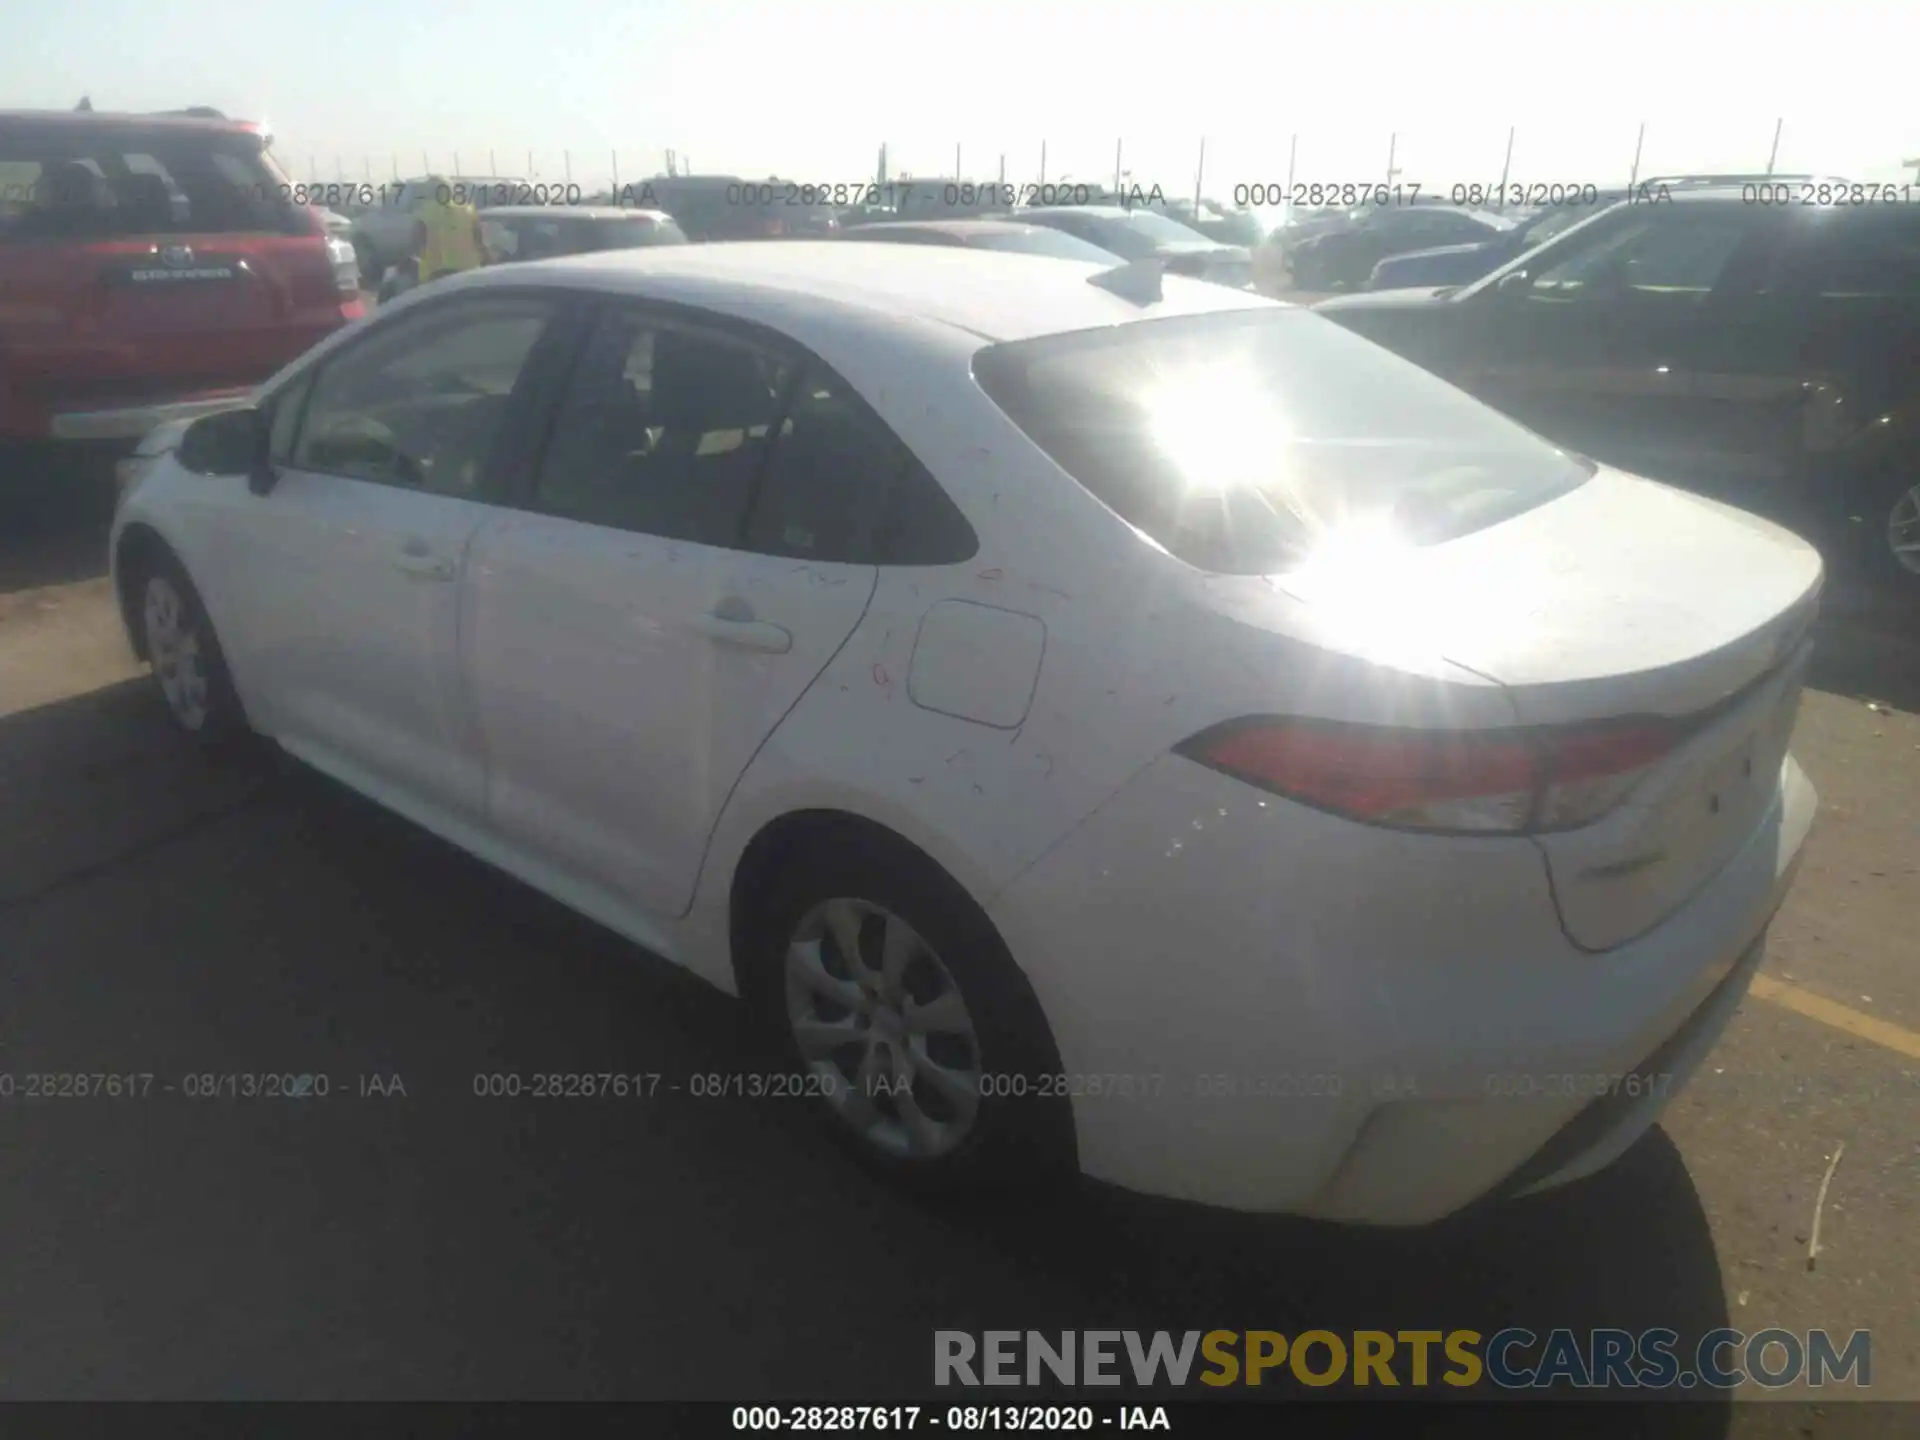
151,267
1730,339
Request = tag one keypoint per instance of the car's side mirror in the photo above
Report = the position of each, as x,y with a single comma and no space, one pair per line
229,442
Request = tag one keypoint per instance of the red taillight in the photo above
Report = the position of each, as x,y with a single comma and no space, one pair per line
1589,770
1493,782
772,226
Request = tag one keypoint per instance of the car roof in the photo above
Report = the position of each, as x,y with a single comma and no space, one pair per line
1491,217
1655,192
954,226
1103,212
584,212
1689,194
658,180
802,286
125,120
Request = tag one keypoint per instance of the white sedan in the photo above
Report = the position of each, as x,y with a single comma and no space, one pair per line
1091,720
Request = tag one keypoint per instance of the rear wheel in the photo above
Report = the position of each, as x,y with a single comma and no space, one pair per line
880,983
1896,524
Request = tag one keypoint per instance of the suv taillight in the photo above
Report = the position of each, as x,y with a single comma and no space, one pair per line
1463,782
346,266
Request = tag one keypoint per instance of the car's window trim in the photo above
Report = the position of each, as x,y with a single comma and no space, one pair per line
488,490
301,386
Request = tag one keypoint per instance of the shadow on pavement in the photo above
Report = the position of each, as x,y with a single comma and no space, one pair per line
1878,662
1630,1248
55,511
171,918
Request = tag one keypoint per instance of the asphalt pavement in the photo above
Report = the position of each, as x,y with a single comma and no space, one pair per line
403,1237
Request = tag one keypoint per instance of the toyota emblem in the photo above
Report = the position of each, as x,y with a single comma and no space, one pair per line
177,257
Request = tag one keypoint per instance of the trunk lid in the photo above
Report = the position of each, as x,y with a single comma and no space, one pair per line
1623,599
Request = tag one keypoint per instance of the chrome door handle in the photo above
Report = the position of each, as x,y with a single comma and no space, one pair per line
747,634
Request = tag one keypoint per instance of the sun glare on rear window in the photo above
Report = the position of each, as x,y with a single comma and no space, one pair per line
1242,441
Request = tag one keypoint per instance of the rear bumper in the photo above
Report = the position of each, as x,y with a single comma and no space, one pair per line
1326,1020
131,422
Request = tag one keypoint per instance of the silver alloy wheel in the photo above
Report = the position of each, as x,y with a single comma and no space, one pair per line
883,1029
1903,530
173,645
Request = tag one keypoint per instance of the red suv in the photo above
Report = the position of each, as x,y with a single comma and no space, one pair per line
151,268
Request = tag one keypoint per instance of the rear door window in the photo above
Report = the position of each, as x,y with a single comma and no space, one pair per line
1870,256
1241,442
84,183
663,430
841,486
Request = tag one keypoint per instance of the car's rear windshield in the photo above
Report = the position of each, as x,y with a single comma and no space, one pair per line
1241,441
69,183
1041,241
1151,225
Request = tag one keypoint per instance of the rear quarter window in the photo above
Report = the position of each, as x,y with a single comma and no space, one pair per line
80,183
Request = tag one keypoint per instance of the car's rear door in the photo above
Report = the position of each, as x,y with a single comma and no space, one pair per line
1848,341
144,264
641,625
342,591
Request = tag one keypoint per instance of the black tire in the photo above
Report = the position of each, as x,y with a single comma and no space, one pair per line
1024,1134
1896,487
219,723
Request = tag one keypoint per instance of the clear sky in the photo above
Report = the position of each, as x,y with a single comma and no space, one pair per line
809,91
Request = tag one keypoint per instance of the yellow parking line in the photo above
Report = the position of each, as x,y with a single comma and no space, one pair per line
1840,1017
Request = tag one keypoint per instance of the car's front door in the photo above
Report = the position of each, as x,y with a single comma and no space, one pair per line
345,574
649,614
